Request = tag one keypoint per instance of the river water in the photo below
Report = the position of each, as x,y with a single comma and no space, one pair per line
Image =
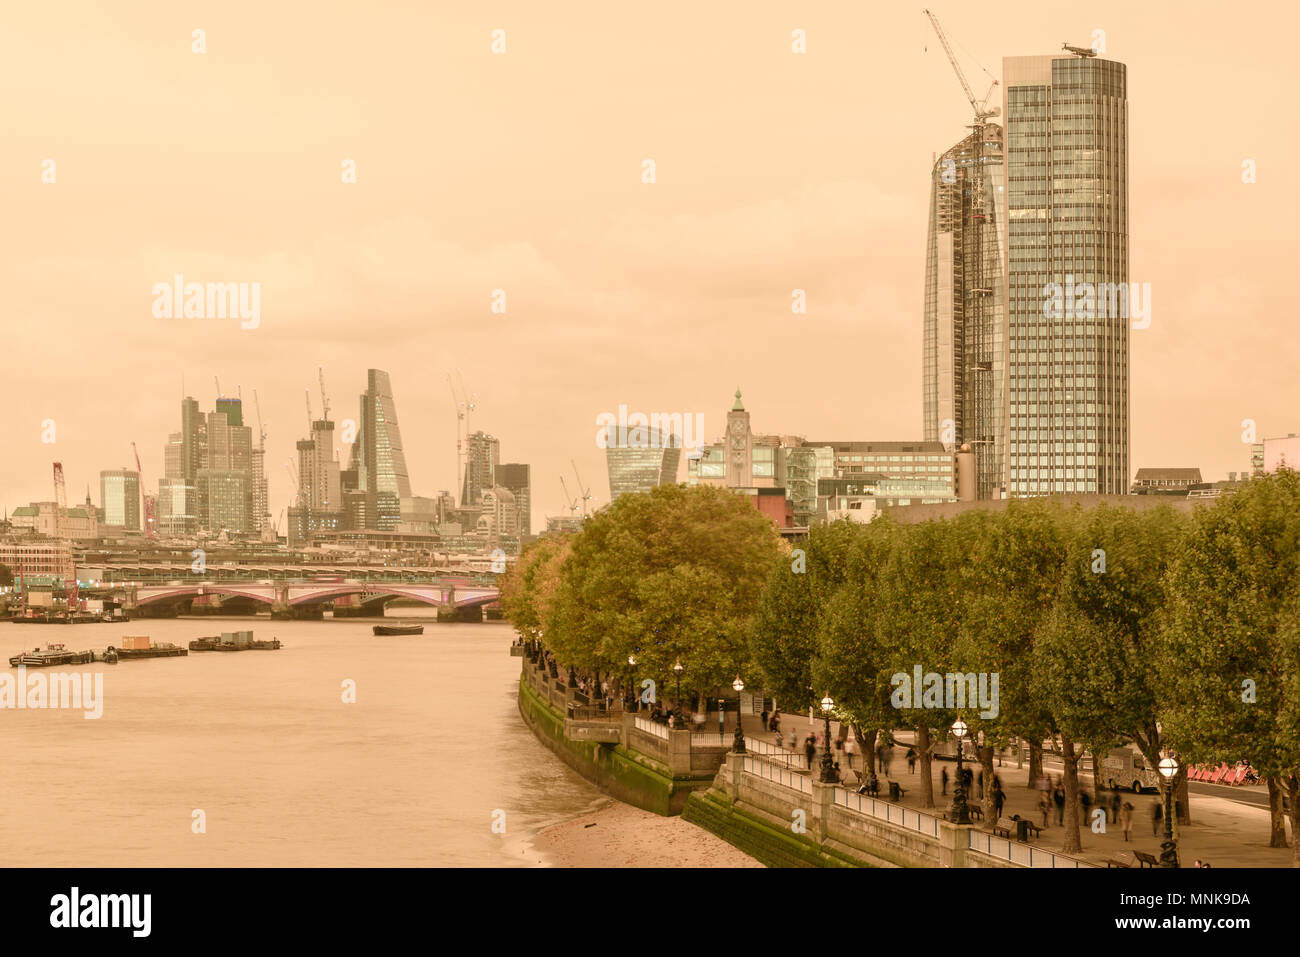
414,773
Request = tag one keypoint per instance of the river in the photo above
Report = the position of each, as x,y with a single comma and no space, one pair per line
414,773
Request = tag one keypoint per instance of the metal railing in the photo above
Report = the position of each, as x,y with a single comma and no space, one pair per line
1025,855
890,813
754,765
649,727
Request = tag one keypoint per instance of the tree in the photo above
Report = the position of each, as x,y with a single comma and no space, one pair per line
1229,662
6,576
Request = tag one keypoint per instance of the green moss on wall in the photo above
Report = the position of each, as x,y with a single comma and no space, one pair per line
773,846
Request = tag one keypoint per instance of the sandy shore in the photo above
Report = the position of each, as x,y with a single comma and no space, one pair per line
619,835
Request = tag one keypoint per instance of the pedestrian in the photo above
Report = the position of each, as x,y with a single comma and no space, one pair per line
1058,796
1157,815
850,749
839,775
1044,806
943,779
1114,805
775,720
1126,819
911,760
810,749
999,798
763,718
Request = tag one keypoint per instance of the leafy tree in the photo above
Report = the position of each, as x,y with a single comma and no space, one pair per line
1232,619
6,576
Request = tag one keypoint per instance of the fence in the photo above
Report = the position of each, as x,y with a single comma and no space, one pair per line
890,813
771,772
1026,855
649,727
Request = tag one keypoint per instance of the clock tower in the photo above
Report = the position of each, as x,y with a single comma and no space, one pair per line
740,446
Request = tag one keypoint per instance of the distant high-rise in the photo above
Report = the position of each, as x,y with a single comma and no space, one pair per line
482,457
193,439
517,478
641,460
1067,230
963,358
377,454
119,495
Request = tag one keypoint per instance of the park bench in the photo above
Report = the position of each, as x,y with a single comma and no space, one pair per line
1116,862
1146,860
1004,828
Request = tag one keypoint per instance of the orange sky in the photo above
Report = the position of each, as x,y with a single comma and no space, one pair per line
522,171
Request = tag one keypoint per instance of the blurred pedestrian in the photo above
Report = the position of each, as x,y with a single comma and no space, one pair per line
943,779
1058,797
1126,819
911,760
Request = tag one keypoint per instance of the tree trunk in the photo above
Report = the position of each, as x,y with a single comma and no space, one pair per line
1035,762
867,745
1071,764
1293,791
1181,801
986,762
1096,775
923,753
1277,821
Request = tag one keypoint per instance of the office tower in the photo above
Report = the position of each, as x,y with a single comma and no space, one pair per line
177,513
223,496
963,358
233,409
1067,228
517,478
319,486
640,460
259,516
119,494
482,456
377,454
193,439
173,463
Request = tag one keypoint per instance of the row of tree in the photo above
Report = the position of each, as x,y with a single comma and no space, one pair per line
1106,627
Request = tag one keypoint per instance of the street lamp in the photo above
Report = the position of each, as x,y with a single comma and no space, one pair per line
631,681
1168,768
738,744
828,763
959,813
677,704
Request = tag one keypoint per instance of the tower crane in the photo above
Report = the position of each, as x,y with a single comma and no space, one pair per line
148,501
584,492
569,500
464,403
324,399
309,418
980,108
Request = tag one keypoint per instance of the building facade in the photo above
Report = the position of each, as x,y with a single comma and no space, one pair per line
1066,161
517,477
119,496
377,454
641,460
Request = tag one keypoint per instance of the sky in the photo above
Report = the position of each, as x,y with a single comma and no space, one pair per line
522,171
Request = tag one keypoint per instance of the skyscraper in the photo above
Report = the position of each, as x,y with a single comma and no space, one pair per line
482,457
963,359
377,454
641,460
517,478
119,494
1067,228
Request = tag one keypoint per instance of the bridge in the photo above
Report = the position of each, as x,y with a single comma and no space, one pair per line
295,599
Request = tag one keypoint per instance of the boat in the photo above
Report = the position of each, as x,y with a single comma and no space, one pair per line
109,657
141,648
233,641
399,629
53,654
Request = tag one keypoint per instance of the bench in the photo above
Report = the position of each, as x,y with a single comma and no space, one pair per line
1114,862
1004,828
976,812
1146,860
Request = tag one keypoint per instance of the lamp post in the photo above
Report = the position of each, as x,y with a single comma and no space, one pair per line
828,763
959,813
631,681
1168,768
738,745
677,703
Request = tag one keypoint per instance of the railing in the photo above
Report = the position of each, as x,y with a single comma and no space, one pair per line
649,727
1026,855
890,813
711,739
771,772
581,713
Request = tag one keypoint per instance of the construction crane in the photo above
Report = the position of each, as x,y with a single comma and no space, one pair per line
218,384
324,399
1079,51
464,403
309,418
261,448
975,425
569,500
584,492
293,477
148,501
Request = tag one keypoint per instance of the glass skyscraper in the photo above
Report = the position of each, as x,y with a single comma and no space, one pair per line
963,357
644,461
1066,226
377,454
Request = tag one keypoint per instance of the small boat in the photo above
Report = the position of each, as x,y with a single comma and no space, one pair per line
399,629
54,654
109,657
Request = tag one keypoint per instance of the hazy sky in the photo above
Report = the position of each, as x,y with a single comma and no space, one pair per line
522,171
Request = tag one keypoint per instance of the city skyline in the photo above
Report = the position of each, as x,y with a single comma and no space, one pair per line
798,199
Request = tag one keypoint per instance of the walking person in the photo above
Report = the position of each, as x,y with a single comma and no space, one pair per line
943,779
763,718
810,749
1157,815
1114,805
850,749
1058,796
999,798
1044,806
911,760
1126,819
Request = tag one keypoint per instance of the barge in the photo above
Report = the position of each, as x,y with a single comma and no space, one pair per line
234,641
399,629
54,654
139,646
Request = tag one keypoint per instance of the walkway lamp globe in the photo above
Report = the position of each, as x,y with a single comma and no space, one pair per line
738,743
828,763
677,673
631,681
959,813
1168,768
